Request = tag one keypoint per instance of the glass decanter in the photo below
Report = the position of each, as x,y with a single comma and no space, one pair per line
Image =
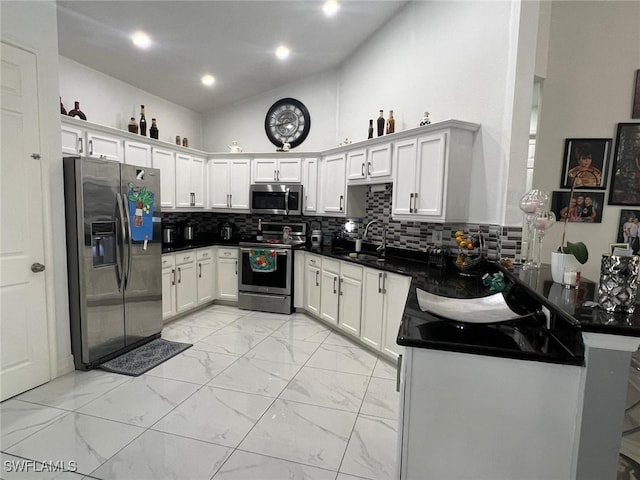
531,203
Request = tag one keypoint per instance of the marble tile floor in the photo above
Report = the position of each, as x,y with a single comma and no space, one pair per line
259,396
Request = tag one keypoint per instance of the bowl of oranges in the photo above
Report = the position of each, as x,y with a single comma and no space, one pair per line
471,252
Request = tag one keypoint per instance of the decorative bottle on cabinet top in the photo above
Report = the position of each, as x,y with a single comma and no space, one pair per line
391,123
132,126
153,131
370,129
381,123
76,112
143,122
259,236
63,110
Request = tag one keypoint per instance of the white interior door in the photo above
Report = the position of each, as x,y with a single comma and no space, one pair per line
23,314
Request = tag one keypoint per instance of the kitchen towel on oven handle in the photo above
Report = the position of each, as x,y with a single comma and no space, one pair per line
262,260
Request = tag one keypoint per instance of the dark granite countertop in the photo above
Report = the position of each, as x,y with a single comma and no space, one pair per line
570,302
532,337
198,242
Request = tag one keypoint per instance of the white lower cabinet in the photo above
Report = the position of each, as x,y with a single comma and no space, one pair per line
365,303
228,274
299,264
385,295
350,305
168,285
329,297
313,266
186,288
206,275
188,280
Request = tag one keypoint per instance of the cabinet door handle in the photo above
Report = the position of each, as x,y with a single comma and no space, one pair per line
379,278
411,203
236,267
368,168
415,202
278,175
173,276
341,282
179,275
334,284
231,200
90,147
384,283
80,145
317,273
274,175
200,270
341,201
398,372
362,171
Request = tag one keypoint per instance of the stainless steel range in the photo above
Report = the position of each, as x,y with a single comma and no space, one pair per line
265,280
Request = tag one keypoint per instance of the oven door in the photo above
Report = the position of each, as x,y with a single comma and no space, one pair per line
277,281
276,199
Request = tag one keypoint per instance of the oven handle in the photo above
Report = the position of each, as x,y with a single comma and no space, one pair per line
266,295
278,252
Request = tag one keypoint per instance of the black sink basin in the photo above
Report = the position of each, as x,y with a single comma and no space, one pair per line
467,334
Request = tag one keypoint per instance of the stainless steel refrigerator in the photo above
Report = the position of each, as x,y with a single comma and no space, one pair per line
114,247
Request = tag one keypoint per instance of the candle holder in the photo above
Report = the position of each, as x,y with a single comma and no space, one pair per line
542,222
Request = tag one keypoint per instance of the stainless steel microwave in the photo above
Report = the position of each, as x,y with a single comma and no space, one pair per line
276,198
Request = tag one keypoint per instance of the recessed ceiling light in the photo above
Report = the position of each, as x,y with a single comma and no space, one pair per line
330,7
141,40
282,52
208,80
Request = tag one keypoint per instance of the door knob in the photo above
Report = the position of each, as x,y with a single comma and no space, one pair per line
37,267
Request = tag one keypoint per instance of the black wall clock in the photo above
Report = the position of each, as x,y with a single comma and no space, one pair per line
287,120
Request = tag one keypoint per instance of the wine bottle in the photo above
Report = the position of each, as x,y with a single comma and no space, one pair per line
133,126
63,110
391,123
185,142
259,236
370,129
153,131
381,123
143,122
76,112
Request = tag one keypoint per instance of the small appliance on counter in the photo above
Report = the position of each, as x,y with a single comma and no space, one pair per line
316,238
227,231
188,233
169,235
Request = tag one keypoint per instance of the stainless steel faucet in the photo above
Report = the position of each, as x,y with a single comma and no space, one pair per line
383,247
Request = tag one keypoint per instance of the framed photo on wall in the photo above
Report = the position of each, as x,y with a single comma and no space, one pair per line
625,175
586,161
629,229
582,207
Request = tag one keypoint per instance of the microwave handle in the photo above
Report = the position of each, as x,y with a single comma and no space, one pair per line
286,200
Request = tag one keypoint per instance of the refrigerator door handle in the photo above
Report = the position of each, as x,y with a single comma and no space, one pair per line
119,252
129,243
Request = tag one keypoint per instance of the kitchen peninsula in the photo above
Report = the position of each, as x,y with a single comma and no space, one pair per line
539,400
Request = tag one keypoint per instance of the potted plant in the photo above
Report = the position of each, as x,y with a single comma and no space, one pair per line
568,253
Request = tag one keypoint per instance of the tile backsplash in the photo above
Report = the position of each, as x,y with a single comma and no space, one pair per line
500,241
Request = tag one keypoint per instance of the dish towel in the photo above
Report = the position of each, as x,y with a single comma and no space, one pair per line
262,260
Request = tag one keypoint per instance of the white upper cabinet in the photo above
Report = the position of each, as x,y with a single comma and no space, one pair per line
102,145
310,184
72,140
334,188
432,174
229,182
370,165
164,160
190,181
277,170
137,154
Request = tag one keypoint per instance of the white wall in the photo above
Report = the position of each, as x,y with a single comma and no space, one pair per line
453,59
244,121
594,51
33,26
111,102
